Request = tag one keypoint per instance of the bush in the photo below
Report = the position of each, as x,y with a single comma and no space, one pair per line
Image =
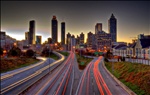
30,53
46,52
122,58
106,60
15,51
1,51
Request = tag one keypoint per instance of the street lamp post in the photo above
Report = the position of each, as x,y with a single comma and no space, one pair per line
112,63
49,58
130,54
144,56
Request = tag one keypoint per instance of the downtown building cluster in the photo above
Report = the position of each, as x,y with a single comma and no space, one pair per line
33,41
98,41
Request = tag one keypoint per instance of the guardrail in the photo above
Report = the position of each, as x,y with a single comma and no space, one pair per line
140,61
120,83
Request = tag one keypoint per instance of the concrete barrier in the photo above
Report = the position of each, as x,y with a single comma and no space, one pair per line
119,82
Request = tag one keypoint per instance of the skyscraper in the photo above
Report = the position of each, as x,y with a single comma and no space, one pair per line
81,38
27,37
89,39
38,39
49,40
103,41
63,33
112,28
54,29
68,41
98,27
32,32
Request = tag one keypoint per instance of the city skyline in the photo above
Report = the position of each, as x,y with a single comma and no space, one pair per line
132,17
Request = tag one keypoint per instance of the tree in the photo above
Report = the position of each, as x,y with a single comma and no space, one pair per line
15,51
46,51
108,55
29,53
1,51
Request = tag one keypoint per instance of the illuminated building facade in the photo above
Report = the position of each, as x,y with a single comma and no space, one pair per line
103,41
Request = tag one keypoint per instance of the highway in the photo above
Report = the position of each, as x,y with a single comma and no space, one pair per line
20,79
96,81
58,82
63,78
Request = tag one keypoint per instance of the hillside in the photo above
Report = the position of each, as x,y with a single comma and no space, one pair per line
135,76
15,62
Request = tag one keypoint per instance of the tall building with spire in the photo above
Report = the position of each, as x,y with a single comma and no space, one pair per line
32,32
98,27
112,28
54,30
63,33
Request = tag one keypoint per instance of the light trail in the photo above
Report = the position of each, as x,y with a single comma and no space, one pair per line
55,75
32,66
80,86
58,75
11,86
99,78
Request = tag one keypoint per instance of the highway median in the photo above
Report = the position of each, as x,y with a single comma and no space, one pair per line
83,61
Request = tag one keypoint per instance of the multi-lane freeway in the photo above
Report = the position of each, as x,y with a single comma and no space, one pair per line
96,81
64,78
16,81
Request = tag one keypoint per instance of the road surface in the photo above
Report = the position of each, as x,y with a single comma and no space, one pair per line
96,81
21,78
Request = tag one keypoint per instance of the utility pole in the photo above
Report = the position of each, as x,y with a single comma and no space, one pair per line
49,57
112,63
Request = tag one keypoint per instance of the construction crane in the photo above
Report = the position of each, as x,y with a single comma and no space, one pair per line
134,39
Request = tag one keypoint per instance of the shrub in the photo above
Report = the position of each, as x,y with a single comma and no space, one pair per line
46,52
1,51
106,60
15,51
30,53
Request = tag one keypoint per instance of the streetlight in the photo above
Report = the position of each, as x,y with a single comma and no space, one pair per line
111,55
49,58
130,54
144,54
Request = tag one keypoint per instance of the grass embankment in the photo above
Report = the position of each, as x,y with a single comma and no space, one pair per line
64,53
135,76
54,56
83,61
15,63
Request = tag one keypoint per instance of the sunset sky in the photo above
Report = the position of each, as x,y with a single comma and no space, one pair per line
133,17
